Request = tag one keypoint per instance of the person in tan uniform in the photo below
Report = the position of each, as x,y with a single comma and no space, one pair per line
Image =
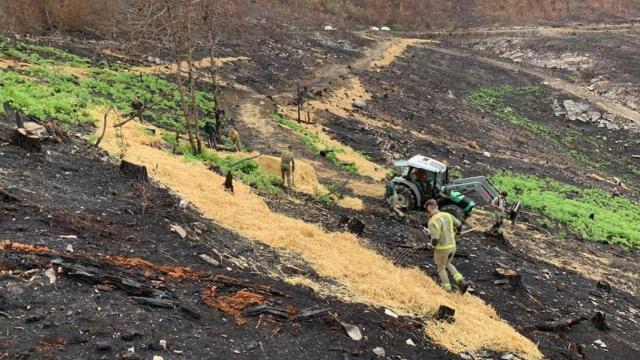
500,211
235,139
442,227
287,166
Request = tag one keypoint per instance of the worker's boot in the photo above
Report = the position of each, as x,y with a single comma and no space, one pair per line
463,285
446,287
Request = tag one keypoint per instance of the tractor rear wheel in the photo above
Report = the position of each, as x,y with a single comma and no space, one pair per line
456,211
406,197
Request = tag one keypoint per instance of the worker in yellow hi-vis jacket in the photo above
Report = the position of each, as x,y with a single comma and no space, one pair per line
442,229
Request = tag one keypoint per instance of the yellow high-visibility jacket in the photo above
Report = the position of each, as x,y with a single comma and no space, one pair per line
442,227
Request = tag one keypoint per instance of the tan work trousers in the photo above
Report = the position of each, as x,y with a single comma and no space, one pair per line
443,259
286,174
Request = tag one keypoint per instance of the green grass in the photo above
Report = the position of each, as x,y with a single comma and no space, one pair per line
312,141
44,92
493,99
249,172
616,219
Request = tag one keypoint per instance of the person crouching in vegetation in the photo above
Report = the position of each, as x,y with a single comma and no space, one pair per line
287,166
442,228
391,197
235,139
137,109
210,129
499,206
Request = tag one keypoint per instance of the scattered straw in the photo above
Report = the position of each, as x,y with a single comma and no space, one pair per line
305,178
351,203
201,64
370,277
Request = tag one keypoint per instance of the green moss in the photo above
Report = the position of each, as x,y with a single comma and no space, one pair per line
616,220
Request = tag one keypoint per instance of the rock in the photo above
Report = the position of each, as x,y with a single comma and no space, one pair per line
385,28
51,274
379,351
352,330
374,28
486,153
163,344
103,346
179,230
69,248
506,357
600,343
465,356
557,109
450,95
201,226
36,129
410,342
574,109
390,313
156,357
583,118
209,259
359,104
183,204
594,115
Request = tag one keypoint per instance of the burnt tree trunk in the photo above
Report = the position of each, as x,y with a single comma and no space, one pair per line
28,142
446,313
134,171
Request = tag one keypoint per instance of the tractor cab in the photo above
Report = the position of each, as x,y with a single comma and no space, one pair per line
427,175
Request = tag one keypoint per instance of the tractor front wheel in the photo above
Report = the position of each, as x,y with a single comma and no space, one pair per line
456,211
406,197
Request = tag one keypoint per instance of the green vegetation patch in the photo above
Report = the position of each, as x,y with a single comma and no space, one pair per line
493,99
42,91
313,142
249,172
616,220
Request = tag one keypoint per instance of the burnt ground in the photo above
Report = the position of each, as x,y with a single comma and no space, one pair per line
550,293
430,116
428,100
276,64
72,190
602,62
610,53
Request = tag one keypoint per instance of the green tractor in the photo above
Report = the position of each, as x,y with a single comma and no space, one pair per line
421,178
